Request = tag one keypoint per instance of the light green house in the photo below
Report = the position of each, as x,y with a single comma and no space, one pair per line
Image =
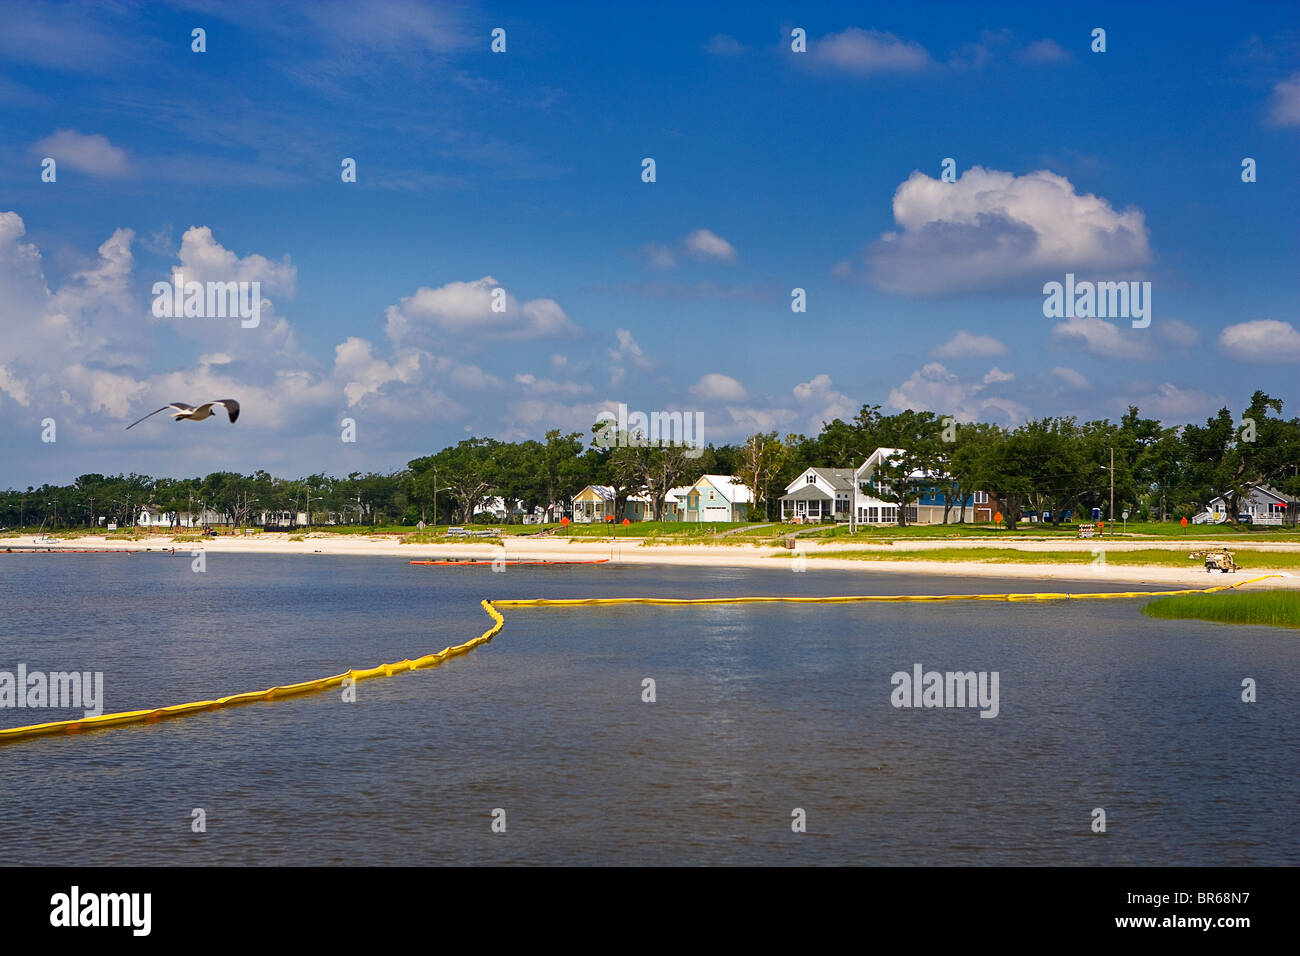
717,498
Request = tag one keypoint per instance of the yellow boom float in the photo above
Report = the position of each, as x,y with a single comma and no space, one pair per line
126,718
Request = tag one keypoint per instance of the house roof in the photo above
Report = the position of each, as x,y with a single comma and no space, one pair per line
885,456
1270,490
606,493
1267,492
809,493
830,480
841,479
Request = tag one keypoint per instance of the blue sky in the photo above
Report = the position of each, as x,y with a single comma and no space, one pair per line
522,171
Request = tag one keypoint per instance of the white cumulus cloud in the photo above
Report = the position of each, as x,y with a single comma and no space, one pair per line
991,228
935,389
1174,405
968,345
719,388
464,309
1102,338
864,52
828,402
91,153
203,259
1262,340
1045,51
704,244
363,374
1071,378
1284,104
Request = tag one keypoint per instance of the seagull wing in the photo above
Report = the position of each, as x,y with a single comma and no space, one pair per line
231,406
150,415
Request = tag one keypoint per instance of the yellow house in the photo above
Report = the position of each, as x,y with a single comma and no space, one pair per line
595,503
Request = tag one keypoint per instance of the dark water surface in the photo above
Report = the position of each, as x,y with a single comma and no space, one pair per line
760,709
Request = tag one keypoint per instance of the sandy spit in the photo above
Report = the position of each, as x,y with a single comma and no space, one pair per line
630,551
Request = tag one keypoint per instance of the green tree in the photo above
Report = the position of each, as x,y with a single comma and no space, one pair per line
761,459
1225,458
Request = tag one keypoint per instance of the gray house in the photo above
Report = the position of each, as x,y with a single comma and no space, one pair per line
819,493
1262,505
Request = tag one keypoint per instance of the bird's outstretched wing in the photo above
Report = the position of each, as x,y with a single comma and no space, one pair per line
150,415
231,406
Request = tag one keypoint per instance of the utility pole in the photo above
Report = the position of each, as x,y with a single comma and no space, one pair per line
1111,514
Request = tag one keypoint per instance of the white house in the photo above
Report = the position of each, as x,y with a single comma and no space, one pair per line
717,498
540,515
1262,505
926,508
496,507
151,517
840,492
867,506
818,493
282,519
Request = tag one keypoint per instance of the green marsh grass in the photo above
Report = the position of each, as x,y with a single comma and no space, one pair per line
1157,557
1277,608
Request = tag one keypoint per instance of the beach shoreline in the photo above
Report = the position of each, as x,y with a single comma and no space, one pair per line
632,551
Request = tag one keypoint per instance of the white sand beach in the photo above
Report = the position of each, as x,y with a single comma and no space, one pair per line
632,551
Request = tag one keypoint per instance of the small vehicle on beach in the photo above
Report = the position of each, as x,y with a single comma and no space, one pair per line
1218,559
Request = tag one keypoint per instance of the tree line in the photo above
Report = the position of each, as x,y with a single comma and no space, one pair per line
1050,465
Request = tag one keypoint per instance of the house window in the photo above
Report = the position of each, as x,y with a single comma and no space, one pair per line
812,479
981,497
889,514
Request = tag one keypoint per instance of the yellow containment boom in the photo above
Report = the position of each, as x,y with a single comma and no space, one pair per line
129,717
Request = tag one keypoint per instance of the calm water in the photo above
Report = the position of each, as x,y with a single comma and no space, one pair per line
760,709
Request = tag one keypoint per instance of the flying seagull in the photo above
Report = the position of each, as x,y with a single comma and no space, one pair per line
194,414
